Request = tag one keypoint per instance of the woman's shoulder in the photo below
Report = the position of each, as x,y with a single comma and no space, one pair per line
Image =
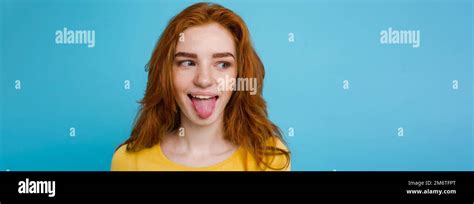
123,160
278,143
281,157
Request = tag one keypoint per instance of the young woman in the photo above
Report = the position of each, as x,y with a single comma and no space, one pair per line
189,119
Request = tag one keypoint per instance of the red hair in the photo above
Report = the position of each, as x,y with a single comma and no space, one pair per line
246,120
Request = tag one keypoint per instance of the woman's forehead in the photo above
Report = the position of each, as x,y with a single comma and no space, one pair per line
206,39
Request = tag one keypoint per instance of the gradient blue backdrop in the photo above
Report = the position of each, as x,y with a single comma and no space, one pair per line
391,86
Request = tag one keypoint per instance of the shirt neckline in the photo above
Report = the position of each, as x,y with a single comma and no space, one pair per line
189,168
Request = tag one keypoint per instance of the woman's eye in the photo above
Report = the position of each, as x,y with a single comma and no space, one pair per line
223,65
186,63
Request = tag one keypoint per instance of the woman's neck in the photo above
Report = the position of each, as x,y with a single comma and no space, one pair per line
201,140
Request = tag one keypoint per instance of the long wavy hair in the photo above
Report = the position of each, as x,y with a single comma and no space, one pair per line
246,120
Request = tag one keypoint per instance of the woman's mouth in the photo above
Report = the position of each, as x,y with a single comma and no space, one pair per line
203,104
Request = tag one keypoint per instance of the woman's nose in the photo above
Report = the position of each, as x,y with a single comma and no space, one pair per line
203,77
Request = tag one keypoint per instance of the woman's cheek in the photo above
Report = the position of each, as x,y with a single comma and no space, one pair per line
181,80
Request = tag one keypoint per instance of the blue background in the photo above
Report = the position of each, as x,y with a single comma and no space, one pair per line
391,86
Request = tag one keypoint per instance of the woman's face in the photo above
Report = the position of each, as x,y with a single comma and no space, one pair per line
204,56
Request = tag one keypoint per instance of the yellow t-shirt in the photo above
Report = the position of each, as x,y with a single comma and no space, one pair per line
153,159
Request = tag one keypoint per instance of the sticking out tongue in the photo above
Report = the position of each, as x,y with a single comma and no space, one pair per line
204,107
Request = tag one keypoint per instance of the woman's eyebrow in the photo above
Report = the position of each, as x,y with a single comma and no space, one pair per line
222,54
185,54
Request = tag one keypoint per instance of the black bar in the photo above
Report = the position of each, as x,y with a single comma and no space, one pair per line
389,185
